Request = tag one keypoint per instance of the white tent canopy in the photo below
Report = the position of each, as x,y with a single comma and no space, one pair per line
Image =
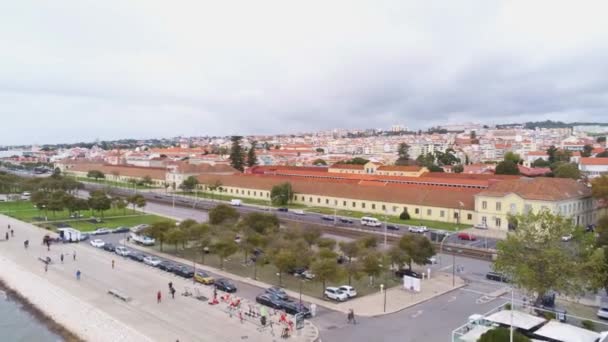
521,320
566,333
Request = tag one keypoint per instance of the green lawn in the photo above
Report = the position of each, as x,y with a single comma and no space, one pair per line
113,183
25,211
391,219
268,273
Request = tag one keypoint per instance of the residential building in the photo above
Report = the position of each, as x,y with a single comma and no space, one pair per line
593,167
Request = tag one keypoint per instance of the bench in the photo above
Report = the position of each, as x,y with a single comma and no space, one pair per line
119,295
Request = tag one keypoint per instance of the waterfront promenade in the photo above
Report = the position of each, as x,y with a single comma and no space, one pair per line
85,307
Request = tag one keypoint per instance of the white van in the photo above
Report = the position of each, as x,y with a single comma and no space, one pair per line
236,202
68,234
370,221
298,211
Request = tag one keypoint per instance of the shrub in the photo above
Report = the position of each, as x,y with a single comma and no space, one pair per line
507,306
404,215
589,325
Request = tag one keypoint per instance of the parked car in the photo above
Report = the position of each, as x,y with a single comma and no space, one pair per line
327,218
225,285
152,261
137,256
466,236
184,271
495,276
236,202
392,227
406,272
121,230
349,290
101,231
277,292
109,247
269,300
203,277
168,266
122,251
97,243
139,227
431,261
602,313
335,294
294,308
298,212
421,229
84,236
346,220
283,209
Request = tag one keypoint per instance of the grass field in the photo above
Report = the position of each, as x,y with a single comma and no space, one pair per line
25,211
113,183
268,273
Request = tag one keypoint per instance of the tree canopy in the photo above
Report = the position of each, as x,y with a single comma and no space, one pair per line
252,158
237,155
507,167
502,335
95,174
281,194
567,170
222,213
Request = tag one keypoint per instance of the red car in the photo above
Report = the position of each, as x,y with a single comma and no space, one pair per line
466,236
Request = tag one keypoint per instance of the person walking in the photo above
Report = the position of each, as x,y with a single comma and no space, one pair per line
46,267
170,285
61,257
78,275
74,255
26,243
12,233
112,263
172,292
6,236
351,317
158,297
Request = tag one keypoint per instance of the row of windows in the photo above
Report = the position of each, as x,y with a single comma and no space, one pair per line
249,193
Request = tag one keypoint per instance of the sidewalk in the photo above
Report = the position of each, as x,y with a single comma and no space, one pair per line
370,305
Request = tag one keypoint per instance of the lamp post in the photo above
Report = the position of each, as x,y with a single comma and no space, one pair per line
441,246
385,229
301,281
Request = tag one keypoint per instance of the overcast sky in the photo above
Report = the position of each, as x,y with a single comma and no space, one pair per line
81,70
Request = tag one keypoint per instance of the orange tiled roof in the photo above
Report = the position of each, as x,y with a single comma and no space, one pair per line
403,168
541,188
594,161
157,173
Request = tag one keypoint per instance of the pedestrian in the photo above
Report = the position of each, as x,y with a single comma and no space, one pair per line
6,235
74,255
351,316
158,297
48,246
26,243
78,275
9,226
112,263
170,285
46,267
172,292
12,233
215,292
61,257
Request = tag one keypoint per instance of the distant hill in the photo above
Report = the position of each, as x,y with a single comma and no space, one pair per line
552,124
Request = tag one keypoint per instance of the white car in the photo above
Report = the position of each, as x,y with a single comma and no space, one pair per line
152,261
349,290
421,229
567,237
335,294
122,251
602,313
97,243
298,211
101,231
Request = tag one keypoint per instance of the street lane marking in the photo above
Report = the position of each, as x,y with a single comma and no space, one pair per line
418,313
452,299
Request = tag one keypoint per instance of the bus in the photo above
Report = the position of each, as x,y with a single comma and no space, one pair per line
370,221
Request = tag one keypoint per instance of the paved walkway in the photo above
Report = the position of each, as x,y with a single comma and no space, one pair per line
370,305
85,306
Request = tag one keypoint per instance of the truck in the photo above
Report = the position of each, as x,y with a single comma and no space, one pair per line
142,239
236,202
68,234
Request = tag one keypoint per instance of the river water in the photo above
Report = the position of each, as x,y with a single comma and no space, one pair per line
17,325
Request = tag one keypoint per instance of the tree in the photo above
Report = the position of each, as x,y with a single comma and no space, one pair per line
355,161
325,270
319,161
350,250
502,335
567,170
426,160
603,154
371,265
56,201
552,152
397,257
281,194
189,184
540,162
311,235
587,150
514,157
95,174
200,234
56,173
215,186
284,259
136,201
225,246
146,181
158,231
368,242
403,154
175,236
417,249
261,223
98,200
327,243
601,230
319,150
222,213
507,167
447,158
121,204
237,156
252,159
599,187
597,268
534,257
458,168
404,215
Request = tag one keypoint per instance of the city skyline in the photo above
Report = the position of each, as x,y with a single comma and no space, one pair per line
280,68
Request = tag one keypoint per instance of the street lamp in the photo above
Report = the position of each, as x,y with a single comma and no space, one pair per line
385,228
454,264
445,237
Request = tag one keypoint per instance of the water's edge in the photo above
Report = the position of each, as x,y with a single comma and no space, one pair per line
39,315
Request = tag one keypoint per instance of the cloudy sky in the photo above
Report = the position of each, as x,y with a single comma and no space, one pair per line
81,70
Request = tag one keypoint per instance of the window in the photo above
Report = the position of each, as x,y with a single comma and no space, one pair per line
248,193
255,193
394,208
484,221
383,207
374,206
442,213
417,211
363,205
295,198
344,203
404,208
230,190
326,201
469,217
498,222
310,199
513,208
354,204
455,215
498,206
527,208
429,212
484,205
319,200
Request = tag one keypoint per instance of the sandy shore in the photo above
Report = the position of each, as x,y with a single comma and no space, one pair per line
82,320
